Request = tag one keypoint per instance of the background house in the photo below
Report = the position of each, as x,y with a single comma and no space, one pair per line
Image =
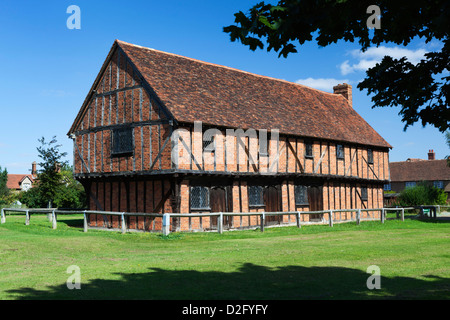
408,173
22,182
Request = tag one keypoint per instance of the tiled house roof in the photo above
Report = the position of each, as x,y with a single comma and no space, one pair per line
193,90
425,170
15,180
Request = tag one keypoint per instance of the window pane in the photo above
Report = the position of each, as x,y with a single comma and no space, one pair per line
123,140
410,184
369,156
308,149
340,151
255,196
364,193
301,195
199,198
439,184
208,142
387,187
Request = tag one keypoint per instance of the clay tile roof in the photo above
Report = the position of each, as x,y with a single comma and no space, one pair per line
425,170
194,90
14,180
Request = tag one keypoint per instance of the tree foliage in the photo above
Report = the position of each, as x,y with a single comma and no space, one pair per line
421,91
49,176
4,191
55,182
422,194
447,140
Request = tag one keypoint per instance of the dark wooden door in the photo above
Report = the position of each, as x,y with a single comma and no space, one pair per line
272,204
315,199
219,200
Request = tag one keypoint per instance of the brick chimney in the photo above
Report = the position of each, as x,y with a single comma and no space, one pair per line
431,155
346,90
33,169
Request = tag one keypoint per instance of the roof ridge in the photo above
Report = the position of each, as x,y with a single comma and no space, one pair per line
232,69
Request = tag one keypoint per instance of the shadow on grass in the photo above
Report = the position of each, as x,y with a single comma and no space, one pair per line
249,282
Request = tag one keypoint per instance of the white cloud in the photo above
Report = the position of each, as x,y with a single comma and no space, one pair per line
325,84
368,59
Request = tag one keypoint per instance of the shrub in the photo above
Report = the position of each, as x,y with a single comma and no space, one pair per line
422,194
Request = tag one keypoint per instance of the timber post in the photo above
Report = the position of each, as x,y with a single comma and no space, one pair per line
124,226
299,225
54,225
382,216
331,218
403,214
166,224
220,223
3,219
263,218
85,224
27,218
358,217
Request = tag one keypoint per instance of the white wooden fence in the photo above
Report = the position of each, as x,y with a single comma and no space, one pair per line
355,216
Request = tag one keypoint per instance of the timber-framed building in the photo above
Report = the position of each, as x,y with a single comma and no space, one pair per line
160,133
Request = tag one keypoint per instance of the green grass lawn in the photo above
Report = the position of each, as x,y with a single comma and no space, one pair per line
314,262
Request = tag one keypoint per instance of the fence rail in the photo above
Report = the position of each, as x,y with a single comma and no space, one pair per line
166,217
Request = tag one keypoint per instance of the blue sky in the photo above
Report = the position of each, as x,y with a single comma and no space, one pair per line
47,69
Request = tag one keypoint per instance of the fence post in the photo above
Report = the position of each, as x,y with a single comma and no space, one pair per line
27,218
382,216
358,217
331,218
298,220
54,225
403,214
263,218
3,219
85,224
166,224
220,223
124,226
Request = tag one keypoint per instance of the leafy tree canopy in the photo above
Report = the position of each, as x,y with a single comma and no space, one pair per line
4,191
49,176
421,90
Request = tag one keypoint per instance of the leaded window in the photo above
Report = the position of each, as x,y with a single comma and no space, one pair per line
340,151
199,198
439,184
255,196
301,195
308,149
122,141
370,156
364,196
208,141
410,184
